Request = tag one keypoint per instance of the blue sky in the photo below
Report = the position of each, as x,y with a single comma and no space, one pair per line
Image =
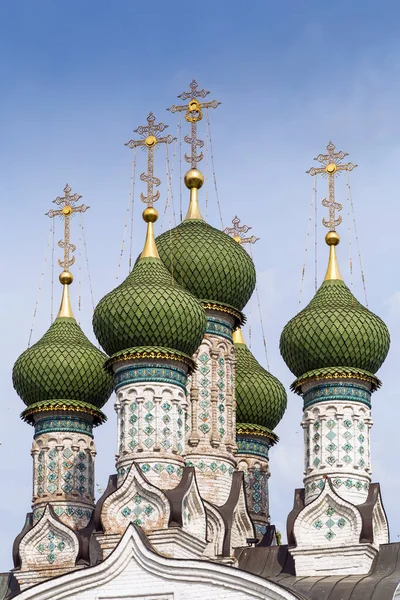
78,77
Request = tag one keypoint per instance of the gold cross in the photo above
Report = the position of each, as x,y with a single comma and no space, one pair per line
68,208
332,165
193,115
151,137
238,232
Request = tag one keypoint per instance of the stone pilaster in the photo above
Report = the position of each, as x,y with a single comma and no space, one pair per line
252,457
337,423
151,409
211,423
63,455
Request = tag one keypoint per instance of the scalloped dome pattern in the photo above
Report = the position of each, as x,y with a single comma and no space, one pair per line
149,309
334,330
261,398
208,263
62,365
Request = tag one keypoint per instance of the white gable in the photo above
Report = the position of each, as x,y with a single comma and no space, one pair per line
133,572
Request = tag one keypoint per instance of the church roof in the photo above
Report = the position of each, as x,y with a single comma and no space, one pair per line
149,309
275,564
261,398
334,330
63,366
204,260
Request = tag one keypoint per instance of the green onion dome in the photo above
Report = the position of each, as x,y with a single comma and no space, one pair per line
334,330
206,261
260,397
63,368
149,309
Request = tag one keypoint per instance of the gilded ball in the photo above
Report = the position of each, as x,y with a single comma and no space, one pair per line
332,238
194,179
150,215
66,278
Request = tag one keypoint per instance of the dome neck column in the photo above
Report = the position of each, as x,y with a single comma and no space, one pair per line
63,454
151,408
211,439
252,459
337,424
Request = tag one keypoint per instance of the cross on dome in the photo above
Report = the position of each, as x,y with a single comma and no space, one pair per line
150,138
237,232
331,166
193,115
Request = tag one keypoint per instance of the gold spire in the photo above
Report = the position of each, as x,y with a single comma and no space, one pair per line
237,337
65,307
150,216
332,239
194,179
68,208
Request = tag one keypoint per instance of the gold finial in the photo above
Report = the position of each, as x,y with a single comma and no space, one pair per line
237,232
150,139
237,337
150,216
193,115
67,209
332,239
194,179
331,166
65,307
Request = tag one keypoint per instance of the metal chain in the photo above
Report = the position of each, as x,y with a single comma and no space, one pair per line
87,261
52,276
357,239
128,208
349,239
180,166
207,158
170,194
51,234
313,201
213,168
315,235
261,319
132,204
79,273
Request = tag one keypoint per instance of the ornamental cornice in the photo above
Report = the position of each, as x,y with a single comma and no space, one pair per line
69,406
335,373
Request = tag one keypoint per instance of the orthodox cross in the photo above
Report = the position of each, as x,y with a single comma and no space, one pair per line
331,166
193,115
238,232
150,138
67,209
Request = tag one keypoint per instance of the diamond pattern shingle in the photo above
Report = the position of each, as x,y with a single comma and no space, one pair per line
334,330
208,263
63,364
261,398
149,309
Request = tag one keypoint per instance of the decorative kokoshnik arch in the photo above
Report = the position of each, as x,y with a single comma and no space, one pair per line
162,578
